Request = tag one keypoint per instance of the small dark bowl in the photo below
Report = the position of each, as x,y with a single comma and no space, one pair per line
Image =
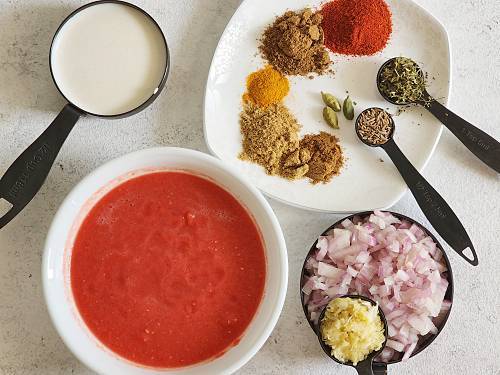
379,75
424,341
367,362
356,127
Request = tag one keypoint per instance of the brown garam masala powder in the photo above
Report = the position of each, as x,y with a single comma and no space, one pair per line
293,44
326,158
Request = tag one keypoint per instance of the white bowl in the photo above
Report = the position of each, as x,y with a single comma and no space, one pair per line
57,256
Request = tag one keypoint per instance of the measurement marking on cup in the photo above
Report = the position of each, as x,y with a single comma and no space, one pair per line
428,198
30,167
5,206
475,139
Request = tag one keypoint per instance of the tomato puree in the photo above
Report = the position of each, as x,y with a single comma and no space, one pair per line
168,269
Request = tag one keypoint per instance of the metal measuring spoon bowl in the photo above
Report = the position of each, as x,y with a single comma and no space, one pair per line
376,134
365,367
425,95
484,146
432,204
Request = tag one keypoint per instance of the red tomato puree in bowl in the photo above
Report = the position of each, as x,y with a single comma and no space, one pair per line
168,269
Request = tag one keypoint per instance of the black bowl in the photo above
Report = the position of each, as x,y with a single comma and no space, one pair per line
424,341
366,363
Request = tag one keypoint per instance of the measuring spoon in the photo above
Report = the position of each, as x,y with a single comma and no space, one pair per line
434,207
365,367
97,52
484,146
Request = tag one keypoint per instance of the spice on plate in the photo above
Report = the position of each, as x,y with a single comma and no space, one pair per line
271,139
293,44
403,81
330,117
375,126
352,328
266,86
356,27
348,108
326,157
269,135
331,101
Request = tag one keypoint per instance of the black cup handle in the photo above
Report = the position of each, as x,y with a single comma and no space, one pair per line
434,207
484,146
365,367
26,175
379,368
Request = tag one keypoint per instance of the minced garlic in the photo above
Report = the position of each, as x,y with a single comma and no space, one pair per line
352,328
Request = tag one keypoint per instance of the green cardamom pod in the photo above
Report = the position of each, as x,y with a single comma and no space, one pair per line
331,117
331,101
348,108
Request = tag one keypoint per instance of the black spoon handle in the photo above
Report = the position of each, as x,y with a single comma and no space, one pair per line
434,207
484,146
364,367
379,368
26,175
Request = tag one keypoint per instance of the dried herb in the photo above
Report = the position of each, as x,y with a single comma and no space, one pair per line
331,117
331,101
403,82
375,126
348,108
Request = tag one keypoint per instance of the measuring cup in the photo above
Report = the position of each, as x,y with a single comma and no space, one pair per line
434,207
380,368
364,367
484,146
93,61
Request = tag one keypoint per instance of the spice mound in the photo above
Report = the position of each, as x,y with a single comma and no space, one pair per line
266,86
402,81
269,135
353,329
375,126
356,27
271,139
325,156
293,44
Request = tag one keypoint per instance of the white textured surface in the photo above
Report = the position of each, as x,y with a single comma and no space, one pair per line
470,343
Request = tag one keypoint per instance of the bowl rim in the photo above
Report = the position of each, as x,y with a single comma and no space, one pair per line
160,85
449,291
267,327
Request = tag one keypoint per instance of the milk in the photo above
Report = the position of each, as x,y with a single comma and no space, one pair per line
108,59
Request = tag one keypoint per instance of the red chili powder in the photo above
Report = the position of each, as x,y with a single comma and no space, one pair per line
356,27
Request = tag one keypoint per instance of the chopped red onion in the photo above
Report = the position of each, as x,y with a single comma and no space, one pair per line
392,261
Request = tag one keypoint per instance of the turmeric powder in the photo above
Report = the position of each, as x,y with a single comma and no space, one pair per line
266,86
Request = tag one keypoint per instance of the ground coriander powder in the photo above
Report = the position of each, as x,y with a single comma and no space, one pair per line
269,135
271,139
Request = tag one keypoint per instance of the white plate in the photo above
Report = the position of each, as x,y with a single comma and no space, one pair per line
57,258
365,183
